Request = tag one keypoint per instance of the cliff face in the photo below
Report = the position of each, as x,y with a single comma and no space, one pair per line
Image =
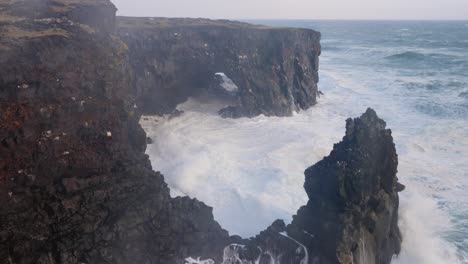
275,69
76,186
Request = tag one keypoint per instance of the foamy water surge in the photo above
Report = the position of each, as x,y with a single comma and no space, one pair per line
251,170
412,74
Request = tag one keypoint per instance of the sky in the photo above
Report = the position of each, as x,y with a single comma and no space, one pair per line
298,9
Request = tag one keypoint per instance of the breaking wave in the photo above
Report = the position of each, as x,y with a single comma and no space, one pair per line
251,170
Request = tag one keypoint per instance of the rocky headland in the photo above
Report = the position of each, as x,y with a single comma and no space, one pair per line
76,186
275,69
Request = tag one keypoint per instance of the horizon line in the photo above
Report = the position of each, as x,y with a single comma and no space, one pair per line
309,19
357,19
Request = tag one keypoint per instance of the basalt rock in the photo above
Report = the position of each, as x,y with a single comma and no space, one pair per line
75,184
275,69
352,213
353,197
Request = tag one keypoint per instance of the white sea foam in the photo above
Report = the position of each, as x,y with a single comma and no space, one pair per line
227,84
191,260
301,248
251,170
422,225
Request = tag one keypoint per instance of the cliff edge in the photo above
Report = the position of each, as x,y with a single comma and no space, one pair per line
76,186
275,70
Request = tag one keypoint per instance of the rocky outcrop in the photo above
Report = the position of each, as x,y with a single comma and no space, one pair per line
275,69
352,213
353,197
76,186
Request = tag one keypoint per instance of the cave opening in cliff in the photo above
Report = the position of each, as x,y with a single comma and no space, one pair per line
214,92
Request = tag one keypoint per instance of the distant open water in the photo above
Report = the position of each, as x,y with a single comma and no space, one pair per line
415,74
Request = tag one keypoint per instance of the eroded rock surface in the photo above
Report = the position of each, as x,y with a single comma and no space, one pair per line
76,186
353,197
275,69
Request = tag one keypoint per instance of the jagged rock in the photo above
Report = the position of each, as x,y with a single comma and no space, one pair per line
275,69
273,245
76,186
352,211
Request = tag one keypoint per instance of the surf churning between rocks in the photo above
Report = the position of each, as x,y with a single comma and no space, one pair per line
251,170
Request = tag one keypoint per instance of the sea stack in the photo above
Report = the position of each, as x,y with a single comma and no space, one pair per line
352,213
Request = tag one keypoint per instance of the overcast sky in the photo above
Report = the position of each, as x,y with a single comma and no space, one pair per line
297,9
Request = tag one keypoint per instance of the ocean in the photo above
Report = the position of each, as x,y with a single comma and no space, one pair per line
414,74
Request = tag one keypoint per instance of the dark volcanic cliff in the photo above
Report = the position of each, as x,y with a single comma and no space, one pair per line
275,69
76,186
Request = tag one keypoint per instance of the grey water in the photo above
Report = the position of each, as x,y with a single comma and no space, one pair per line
414,74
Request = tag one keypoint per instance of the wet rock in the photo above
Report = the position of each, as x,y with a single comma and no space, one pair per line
75,184
149,140
353,197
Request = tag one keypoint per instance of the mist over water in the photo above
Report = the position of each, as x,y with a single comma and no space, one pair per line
415,74
249,170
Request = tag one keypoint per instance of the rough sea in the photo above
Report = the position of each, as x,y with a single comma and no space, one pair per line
414,74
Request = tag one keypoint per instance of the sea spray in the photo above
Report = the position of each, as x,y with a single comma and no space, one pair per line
251,170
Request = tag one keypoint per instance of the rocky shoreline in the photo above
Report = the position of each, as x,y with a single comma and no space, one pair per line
76,186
